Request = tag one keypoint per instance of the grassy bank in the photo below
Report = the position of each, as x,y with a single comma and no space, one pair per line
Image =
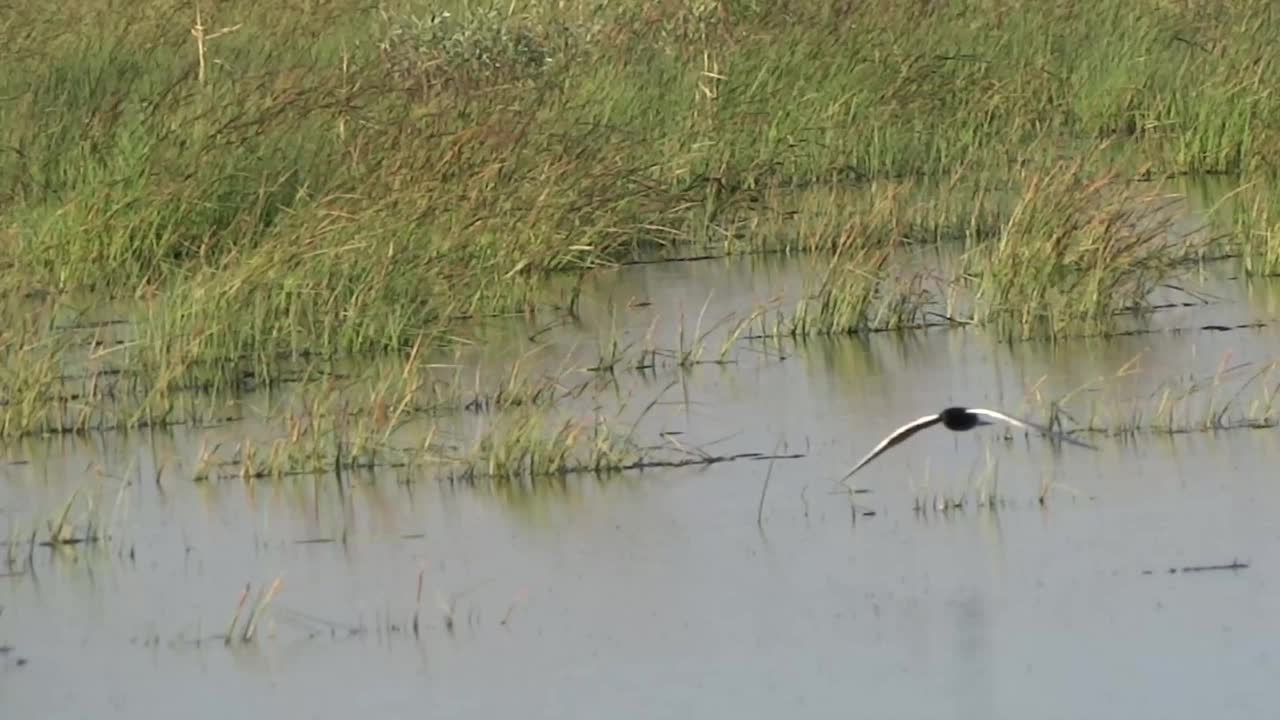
335,177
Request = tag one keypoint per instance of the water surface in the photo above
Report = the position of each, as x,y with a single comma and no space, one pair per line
657,593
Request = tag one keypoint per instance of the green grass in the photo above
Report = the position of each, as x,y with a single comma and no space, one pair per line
858,295
1255,224
1077,250
297,182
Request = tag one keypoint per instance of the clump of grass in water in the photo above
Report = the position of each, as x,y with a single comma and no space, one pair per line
1256,232
89,527
1076,251
531,448
256,612
856,294
31,387
1185,405
57,381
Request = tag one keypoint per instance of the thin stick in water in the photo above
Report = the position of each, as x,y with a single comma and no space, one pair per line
764,489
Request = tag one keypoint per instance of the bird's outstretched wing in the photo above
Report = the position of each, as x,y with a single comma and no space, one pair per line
897,436
1028,425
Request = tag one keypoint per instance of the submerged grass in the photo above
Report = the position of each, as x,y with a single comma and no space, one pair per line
1234,396
90,516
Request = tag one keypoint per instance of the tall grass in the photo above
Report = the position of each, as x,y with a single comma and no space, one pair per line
1077,249
1255,223
306,179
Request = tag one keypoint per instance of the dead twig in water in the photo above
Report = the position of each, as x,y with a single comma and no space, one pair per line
764,489
235,618
258,609
418,605
1233,565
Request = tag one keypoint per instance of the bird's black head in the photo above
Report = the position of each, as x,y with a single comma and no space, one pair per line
958,418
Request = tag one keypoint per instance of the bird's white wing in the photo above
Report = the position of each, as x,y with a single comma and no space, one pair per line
894,438
1028,425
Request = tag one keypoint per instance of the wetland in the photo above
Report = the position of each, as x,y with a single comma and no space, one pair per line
478,359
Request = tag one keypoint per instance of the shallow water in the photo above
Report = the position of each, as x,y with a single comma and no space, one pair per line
657,593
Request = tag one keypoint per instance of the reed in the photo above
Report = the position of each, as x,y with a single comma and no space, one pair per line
276,183
1077,250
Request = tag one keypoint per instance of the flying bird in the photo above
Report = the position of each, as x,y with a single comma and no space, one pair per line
958,419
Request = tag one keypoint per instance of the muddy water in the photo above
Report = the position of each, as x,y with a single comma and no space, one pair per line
657,593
